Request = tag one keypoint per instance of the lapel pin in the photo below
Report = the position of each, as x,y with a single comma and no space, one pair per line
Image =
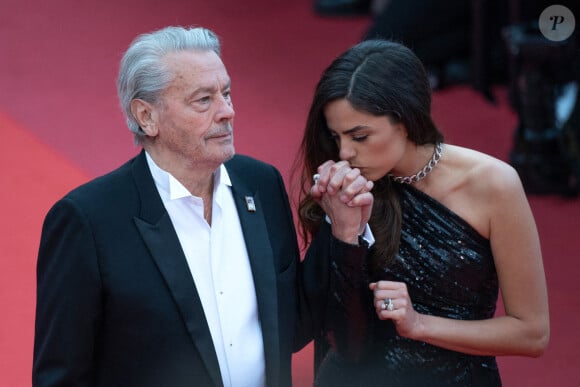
250,204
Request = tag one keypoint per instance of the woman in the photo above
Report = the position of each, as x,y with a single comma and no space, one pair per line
452,227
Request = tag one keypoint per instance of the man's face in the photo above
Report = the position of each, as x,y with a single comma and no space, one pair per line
194,116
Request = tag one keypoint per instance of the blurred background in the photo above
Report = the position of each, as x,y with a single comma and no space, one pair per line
500,87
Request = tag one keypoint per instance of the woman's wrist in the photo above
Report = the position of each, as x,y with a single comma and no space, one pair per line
347,236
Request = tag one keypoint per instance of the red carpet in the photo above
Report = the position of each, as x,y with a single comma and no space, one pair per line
33,177
61,126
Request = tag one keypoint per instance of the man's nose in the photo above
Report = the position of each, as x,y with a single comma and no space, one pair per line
226,109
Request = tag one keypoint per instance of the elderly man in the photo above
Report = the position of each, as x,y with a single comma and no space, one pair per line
180,267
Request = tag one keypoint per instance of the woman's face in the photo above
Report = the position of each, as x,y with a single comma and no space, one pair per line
370,143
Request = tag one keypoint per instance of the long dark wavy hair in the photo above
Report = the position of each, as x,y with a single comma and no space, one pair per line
383,78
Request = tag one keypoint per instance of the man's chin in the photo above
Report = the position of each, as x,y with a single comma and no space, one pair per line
229,154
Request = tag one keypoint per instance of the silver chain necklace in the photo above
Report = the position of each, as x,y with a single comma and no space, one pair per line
424,171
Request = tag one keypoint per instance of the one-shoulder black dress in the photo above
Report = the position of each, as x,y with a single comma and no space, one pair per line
449,271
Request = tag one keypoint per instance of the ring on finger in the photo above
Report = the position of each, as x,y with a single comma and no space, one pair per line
388,305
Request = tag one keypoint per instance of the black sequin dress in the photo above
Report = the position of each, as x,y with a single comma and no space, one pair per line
449,271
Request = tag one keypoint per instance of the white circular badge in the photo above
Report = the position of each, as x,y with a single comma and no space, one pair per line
557,23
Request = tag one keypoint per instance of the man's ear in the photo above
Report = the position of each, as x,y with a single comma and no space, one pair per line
144,115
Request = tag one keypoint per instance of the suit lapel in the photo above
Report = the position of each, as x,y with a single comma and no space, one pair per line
263,270
159,235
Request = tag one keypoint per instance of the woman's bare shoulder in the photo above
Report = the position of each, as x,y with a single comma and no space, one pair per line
482,172
474,185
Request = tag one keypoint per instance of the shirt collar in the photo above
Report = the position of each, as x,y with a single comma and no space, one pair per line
173,189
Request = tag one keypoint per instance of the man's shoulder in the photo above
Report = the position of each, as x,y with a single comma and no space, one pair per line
105,185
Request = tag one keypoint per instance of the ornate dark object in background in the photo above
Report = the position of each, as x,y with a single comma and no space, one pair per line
342,7
544,76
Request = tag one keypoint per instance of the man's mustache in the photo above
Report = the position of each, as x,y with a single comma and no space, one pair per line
221,131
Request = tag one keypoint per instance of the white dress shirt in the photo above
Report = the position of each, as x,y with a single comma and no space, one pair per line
220,268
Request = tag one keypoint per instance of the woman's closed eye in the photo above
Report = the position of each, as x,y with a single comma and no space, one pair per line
355,137
360,137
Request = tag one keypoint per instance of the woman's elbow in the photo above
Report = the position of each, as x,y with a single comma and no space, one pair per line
538,341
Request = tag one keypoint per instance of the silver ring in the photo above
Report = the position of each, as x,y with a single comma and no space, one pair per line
315,177
388,305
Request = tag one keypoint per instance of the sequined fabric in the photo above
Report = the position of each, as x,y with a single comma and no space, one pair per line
449,271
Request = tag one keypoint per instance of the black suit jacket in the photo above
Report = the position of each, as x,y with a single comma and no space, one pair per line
116,303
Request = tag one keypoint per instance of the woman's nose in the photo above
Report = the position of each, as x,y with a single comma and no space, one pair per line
346,153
